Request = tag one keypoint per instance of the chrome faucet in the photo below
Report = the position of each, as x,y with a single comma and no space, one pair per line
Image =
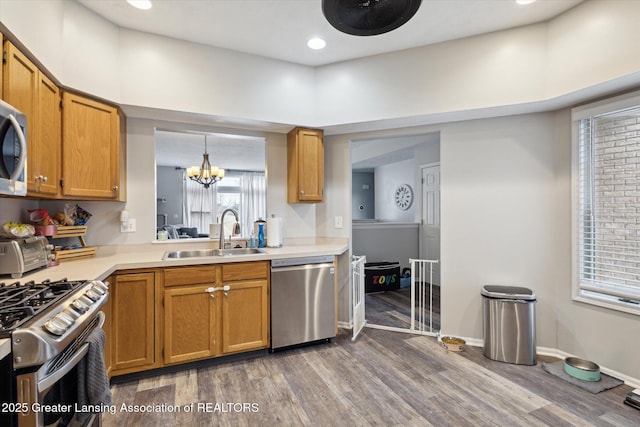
236,228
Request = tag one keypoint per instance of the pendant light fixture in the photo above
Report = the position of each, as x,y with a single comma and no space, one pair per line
205,174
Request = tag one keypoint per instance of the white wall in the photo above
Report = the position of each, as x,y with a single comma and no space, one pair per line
387,179
165,73
498,216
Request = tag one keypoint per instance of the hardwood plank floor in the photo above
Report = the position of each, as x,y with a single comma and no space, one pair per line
393,308
383,379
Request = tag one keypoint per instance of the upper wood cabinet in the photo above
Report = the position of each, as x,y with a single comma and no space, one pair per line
75,152
30,91
305,166
90,148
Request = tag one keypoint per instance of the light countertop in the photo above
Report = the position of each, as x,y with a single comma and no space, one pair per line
109,259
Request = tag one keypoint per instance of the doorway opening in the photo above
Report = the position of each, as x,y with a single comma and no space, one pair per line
396,214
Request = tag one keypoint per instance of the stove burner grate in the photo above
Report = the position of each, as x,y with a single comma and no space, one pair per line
19,303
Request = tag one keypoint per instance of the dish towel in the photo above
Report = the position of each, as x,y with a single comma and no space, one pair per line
93,384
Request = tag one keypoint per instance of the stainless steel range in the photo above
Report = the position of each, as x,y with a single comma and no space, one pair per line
51,326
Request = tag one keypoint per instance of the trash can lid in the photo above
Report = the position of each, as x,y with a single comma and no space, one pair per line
508,292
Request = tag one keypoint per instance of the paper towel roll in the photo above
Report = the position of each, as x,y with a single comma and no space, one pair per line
214,231
274,238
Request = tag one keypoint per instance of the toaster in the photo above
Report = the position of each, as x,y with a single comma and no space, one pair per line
21,255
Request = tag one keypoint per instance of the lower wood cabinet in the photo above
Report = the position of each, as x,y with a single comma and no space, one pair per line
175,315
245,306
132,322
227,312
190,317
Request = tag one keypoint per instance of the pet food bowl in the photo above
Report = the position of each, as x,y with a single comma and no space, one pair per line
453,343
582,369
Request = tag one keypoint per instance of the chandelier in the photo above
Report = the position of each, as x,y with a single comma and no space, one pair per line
205,174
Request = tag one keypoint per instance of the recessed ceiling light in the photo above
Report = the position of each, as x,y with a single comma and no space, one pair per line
316,43
525,1
140,4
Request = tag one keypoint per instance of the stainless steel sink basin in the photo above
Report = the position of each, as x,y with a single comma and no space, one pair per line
239,251
211,252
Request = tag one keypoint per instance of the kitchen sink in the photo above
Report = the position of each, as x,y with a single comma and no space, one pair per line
211,252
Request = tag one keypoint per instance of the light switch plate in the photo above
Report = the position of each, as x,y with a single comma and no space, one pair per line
338,222
128,226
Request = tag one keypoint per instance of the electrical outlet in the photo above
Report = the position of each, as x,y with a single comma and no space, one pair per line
338,222
128,226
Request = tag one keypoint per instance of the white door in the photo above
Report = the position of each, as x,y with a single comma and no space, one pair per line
430,224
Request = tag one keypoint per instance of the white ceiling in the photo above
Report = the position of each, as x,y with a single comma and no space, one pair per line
231,152
280,28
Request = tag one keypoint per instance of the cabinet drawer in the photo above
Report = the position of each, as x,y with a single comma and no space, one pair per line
189,275
245,271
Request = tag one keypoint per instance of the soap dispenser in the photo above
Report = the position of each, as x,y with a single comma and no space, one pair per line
261,235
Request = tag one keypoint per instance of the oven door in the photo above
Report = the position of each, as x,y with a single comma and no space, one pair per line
51,393
14,151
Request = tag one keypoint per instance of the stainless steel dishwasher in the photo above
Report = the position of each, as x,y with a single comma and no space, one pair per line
303,300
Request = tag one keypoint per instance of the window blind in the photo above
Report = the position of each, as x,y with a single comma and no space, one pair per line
609,205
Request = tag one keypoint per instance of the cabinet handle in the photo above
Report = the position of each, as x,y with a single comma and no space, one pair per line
115,188
44,178
302,192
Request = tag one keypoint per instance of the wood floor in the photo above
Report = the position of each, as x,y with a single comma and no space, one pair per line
393,308
383,379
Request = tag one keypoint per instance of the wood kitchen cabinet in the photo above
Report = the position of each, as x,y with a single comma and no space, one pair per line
245,307
191,313
305,166
32,92
133,342
91,152
215,309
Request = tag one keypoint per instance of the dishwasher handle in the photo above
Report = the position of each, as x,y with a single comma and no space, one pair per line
303,267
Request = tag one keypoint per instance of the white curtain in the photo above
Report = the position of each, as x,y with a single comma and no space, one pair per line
253,200
199,205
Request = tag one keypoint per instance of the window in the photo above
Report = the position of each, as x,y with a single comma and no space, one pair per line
606,141
244,192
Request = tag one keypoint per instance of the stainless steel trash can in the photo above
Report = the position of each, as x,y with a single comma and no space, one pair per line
509,318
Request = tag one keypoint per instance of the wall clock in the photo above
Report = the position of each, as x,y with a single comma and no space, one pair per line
404,197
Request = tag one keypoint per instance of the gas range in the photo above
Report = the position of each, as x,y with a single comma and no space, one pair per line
43,318
51,327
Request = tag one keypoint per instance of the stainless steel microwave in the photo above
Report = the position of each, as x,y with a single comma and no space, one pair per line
13,127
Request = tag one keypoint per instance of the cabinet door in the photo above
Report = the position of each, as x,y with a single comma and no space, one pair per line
190,323
305,165
20,88
44,151
90,148
133,321
245,316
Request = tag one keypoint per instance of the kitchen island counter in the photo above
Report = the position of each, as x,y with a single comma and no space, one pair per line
109,259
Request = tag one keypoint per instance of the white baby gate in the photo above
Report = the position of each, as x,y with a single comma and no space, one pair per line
357,276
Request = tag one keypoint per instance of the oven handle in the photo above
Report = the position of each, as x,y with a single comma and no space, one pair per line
49,381
46,383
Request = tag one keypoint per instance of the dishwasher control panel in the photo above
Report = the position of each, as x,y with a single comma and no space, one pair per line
289,262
